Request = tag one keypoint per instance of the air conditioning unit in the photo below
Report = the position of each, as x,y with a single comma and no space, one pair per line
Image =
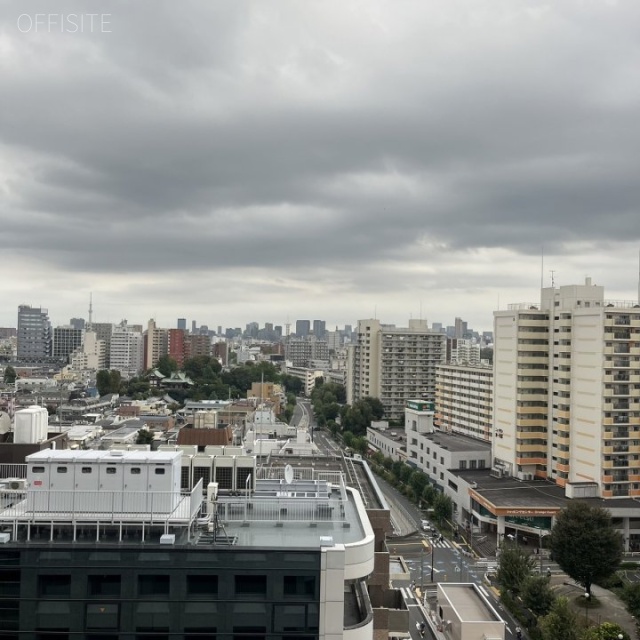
13,484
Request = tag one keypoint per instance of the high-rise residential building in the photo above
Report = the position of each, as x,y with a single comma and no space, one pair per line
194,326
300,351
197,345
219,332
394,364
66,340
319,329
156,344
91,355
182,324
77,323
127,350
103,332
464,400
460,351
34,334
176,347
566,406
303,328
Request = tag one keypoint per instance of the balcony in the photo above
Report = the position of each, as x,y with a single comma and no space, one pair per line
358,612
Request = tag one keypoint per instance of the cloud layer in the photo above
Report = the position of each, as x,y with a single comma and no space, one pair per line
258,160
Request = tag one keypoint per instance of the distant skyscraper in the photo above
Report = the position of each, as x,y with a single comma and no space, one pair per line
319,329
127,350
77,323
65,341
103,332
34,333
437,327
219,330
194,327
182,324
303,327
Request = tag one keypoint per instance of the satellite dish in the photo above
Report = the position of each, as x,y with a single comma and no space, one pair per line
288,474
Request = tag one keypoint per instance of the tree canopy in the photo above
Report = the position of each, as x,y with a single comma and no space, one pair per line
514,567
585,544
9,374
560,622
108,381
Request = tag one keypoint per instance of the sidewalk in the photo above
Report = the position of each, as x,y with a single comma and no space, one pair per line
611,608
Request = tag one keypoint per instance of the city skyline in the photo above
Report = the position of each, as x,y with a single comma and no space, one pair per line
244,161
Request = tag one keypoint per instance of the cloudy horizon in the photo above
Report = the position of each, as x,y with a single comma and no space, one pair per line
264,161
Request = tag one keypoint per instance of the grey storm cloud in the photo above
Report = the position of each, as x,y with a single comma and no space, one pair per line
286,135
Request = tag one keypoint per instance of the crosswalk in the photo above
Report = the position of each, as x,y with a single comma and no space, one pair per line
445,544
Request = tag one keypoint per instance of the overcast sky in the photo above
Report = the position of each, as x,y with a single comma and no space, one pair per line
231,161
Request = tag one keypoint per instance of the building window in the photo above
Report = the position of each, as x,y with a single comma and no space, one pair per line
251,585
87,470
135,471
299,586
472,464
462,464
105,585
61,469
102,616
159,472
201,586
54,586
153,585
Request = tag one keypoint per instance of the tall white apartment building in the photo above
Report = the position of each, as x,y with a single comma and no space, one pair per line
461,351
92,355
464,400
127,350
156,344
567,391
394,364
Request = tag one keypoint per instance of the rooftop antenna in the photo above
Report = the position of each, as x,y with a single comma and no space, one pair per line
90,311
553,279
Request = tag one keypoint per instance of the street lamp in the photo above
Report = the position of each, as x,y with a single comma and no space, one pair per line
587,595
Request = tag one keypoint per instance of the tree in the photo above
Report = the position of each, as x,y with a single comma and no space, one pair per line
429,494
103,382
166,365
376,408
585,544
144,436
9,374
442,506
514,567
560,622
537,595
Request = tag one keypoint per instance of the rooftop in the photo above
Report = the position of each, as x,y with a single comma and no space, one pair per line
469,603
511,493
458,443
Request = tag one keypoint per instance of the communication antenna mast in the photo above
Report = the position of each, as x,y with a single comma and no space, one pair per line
90,311
553,279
